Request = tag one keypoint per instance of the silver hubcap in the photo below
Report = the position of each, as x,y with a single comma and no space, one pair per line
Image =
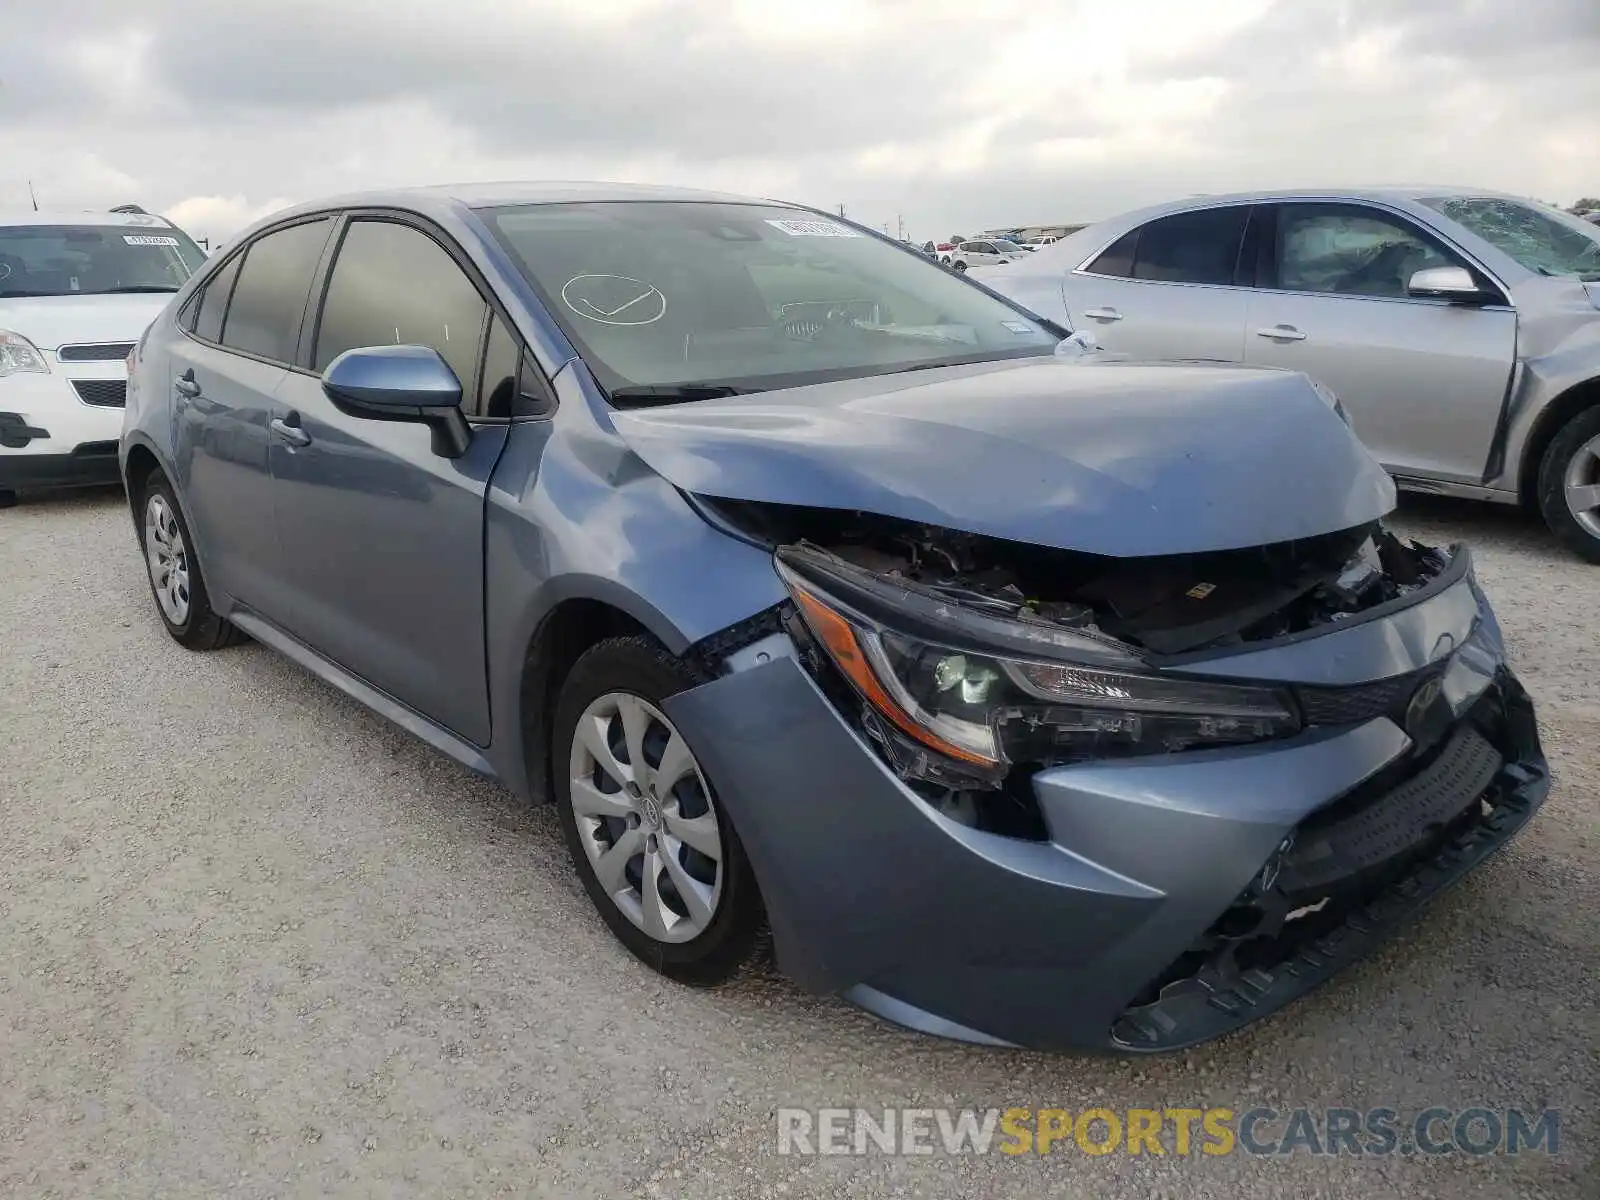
645,817
1583,486
168,558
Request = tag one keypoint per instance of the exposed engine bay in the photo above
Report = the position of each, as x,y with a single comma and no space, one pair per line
967,730
1173,605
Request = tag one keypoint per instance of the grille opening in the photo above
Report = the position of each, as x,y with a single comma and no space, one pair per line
95,352
102,393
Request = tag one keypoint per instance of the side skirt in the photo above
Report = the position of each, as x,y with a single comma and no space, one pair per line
384,705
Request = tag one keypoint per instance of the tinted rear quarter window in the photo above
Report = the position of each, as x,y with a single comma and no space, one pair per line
269,299
1192,247
394,285
1117,258
214,301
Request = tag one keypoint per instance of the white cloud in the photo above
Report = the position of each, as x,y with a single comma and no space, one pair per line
954,115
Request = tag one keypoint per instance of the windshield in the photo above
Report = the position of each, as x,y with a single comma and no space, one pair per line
1550,243
91,260
1006,247
679,300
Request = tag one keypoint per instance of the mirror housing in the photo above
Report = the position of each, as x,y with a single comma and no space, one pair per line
1448,283
401,383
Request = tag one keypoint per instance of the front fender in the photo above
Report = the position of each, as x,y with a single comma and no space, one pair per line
573,514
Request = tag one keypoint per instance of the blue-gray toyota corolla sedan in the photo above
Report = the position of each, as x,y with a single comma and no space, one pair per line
1019,695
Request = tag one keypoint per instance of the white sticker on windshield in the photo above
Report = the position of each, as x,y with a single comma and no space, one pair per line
795,228
1018,326
148,239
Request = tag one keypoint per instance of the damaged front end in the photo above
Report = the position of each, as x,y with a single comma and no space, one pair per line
1177,791
975,662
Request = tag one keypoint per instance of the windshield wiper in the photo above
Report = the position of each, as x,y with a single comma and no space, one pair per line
638,395
132,289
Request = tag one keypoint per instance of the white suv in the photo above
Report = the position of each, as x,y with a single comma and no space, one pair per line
983,252
77,291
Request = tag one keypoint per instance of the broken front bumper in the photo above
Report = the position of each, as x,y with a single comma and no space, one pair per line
1177,897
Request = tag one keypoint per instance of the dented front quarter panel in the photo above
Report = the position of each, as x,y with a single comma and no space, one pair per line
572,514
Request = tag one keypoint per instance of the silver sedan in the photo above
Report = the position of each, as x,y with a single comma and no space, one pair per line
1459,328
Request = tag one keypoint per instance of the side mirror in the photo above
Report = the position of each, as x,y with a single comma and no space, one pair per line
401,383
1447,283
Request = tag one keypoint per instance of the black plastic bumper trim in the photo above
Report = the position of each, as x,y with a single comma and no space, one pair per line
1199,1015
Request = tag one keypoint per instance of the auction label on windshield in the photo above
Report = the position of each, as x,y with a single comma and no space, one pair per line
812,228
148,239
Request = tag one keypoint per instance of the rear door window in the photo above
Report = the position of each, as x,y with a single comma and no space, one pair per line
393,285
1192,247
269,298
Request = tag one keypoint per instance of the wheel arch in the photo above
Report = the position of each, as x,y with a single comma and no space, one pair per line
139,462
570,627
1576,399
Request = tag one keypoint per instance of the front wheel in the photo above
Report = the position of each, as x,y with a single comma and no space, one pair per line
656,853
1569,485
960,268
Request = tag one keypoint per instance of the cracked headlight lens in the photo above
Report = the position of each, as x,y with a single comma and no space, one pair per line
956,695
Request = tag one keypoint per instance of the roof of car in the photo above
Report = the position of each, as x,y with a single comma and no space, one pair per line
13,217
495,195
1392,193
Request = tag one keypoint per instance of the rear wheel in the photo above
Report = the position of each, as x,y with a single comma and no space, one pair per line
656,853
1569,485
176,583
960,267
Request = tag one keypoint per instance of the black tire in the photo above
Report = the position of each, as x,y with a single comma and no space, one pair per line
1558,456
960,268
736,935
201,628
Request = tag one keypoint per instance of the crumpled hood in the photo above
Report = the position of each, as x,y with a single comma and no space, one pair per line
52,321
1123,459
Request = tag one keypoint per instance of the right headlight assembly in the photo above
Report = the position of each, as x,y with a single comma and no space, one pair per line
986,689
20,356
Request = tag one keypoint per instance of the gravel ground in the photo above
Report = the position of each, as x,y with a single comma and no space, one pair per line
258,942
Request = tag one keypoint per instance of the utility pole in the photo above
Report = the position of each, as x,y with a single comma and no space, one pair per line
841,210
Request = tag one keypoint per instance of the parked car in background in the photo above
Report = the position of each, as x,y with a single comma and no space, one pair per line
1039,243
76,291
985,252
1460,329
1027,698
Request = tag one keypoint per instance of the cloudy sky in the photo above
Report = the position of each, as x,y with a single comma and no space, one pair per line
950,115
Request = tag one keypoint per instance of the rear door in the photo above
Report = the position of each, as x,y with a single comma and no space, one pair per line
1423,380
1174,288
382,537
242,333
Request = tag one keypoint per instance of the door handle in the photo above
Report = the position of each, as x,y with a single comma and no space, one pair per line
186,384
1103,314
288,429
1281,333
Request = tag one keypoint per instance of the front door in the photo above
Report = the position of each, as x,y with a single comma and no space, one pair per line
382,537
1423,380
